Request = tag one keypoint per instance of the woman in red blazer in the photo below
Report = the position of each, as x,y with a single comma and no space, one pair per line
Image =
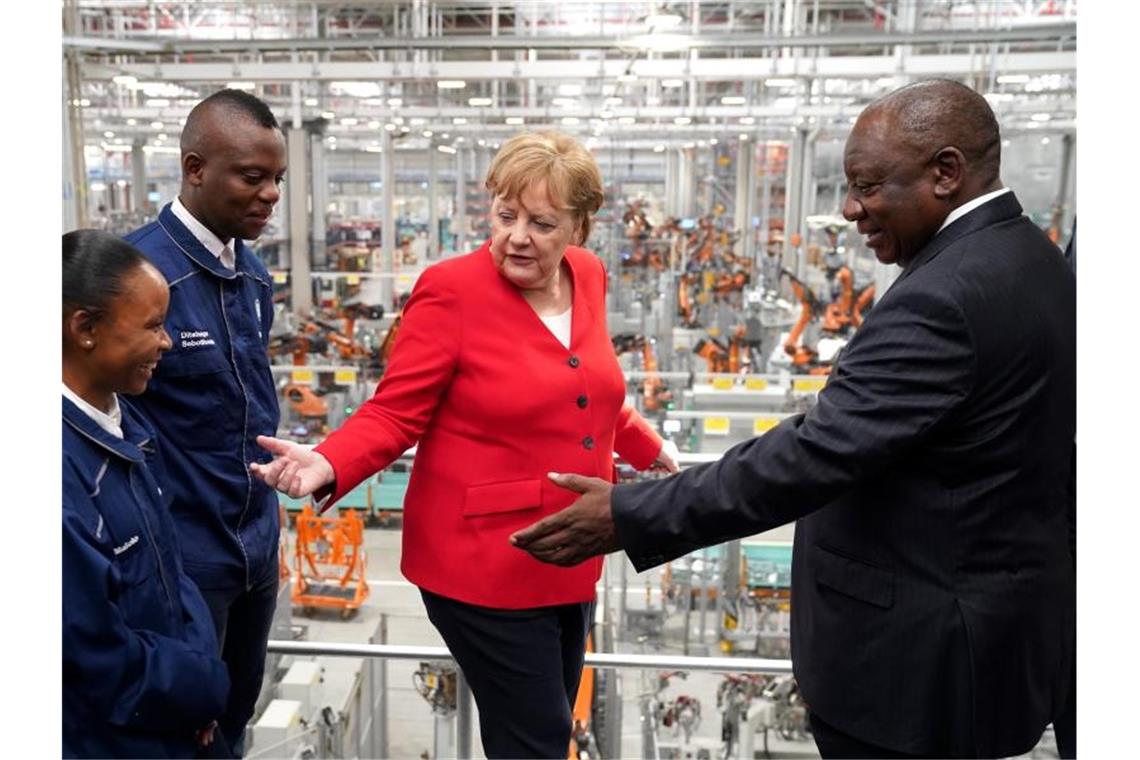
502,372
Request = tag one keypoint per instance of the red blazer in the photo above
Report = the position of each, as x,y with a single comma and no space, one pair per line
495,402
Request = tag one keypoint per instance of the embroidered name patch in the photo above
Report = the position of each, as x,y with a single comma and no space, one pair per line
126,545
195,338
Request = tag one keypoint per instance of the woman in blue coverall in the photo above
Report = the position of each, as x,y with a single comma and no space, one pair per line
141,672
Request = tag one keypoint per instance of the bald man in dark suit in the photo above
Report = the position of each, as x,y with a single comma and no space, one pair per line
933,585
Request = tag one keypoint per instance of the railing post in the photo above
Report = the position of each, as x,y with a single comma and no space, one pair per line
463,717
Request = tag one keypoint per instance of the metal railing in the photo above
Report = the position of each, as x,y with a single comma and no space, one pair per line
593,659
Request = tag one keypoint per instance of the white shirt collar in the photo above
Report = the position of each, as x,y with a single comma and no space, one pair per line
111,422
208,239
969,206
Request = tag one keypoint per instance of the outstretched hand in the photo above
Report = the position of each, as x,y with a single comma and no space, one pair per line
296,470
584,529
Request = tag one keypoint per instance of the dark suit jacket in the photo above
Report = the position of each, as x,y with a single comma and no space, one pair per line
933,596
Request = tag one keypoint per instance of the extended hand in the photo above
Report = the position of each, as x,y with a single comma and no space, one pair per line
205,736
584,529
667,459
296,469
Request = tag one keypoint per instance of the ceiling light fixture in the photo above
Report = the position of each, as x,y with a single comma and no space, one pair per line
733,100
451,84
446,149
515,120
478,102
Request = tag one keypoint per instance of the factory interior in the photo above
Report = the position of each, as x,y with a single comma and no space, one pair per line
734,282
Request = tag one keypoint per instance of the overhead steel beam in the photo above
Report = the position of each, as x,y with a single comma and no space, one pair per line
717,41
715,69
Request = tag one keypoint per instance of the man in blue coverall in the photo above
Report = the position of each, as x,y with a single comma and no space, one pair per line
212,394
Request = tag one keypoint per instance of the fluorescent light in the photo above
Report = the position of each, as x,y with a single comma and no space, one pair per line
108,134
612,101
405,130
311,102
682,120
658,41
663,20
570,90
671,83
428,133
246,86
1044,140
417,121
1013,79
733,100
328,115
356,89
478,102
451,84
157,103
515,120
481,141
658,148
374,124
713,141
565,102
373,149
156,125
395,102
349,121
121,183
331,138
125,79
84,102
1041,117
132,122
1005,143
747,119
778,82
570,120
446,149
743,136
626,120
390,127
689,145
98,187
459,120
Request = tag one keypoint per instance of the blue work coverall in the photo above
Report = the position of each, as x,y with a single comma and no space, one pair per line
141,672
211,395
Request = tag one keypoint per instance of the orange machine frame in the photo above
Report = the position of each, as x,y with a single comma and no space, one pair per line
332,548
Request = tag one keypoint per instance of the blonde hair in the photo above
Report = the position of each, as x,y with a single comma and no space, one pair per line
573,179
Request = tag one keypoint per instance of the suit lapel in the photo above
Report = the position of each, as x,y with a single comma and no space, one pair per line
1000,209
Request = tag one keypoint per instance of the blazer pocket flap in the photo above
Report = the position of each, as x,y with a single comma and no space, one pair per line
193,362
503,497
853,577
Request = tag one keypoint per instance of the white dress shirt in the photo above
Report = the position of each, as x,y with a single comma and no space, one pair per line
224,251
112,422
966,208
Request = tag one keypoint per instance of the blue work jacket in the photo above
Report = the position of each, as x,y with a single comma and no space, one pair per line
141,672
210,397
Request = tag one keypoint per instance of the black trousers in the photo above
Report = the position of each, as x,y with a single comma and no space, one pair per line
242,619
523,667
833,743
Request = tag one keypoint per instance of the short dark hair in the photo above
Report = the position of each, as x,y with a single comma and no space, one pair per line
95,263
243,102
937,112
225,104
